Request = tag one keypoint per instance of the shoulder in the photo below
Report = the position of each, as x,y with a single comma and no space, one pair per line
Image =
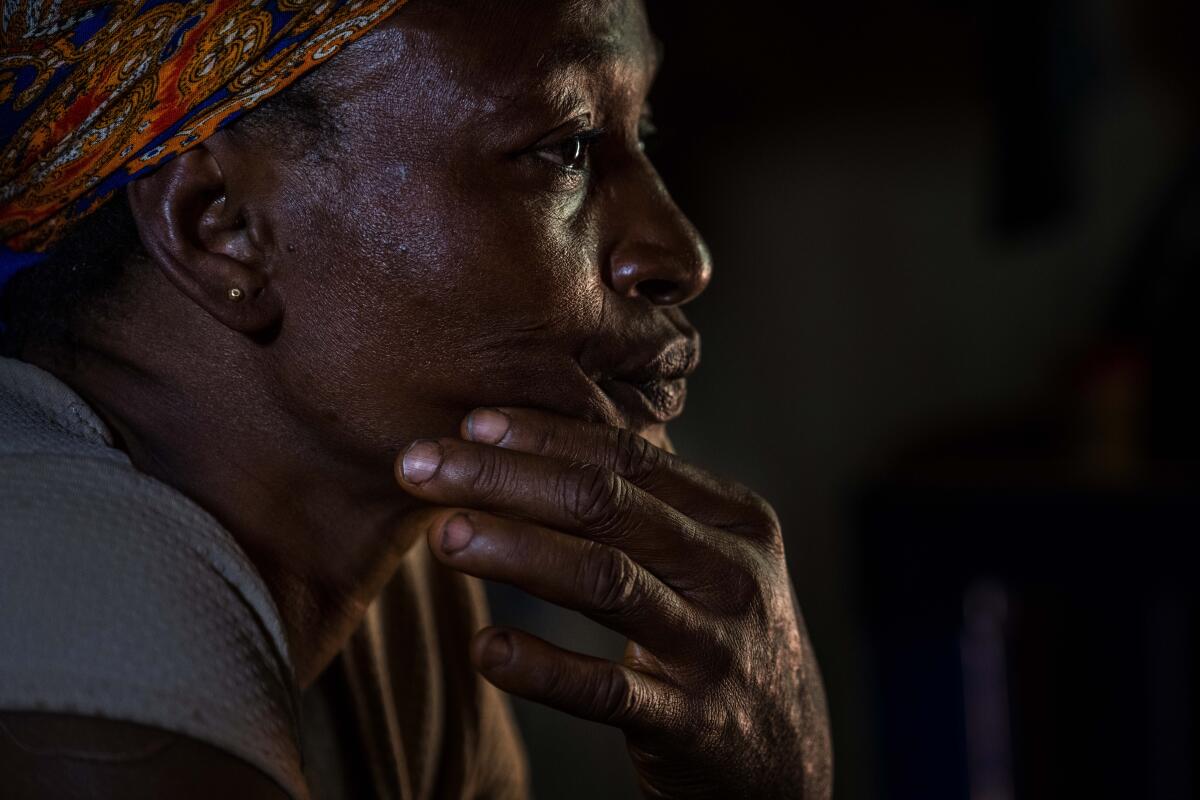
46,755
119,599
122,601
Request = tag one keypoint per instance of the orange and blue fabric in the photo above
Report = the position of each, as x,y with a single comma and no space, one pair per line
94,95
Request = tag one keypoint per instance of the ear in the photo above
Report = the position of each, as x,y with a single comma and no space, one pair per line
200,235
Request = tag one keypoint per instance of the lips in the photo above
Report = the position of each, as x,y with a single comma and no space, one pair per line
650,402
653,389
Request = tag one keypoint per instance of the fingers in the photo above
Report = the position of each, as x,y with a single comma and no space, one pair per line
602,582
584,686
580,499
679,484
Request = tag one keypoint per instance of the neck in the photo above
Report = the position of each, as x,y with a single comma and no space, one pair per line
325,532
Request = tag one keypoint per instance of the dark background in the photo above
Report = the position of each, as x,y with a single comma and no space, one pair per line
950,336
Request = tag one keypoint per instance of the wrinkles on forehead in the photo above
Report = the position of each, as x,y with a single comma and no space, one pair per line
476,59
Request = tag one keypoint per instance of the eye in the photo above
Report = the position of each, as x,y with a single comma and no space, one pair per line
571,153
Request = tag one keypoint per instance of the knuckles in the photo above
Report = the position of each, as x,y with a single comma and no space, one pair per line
764,515
608,579
759,522
490,472
605,694
634,457
591,496
616,700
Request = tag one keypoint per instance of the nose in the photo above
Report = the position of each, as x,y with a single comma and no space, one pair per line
661,256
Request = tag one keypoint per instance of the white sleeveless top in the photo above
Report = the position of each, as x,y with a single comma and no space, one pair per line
120,598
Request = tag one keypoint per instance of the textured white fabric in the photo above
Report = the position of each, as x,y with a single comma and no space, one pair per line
120,598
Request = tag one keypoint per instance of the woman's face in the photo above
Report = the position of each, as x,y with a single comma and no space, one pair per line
485,231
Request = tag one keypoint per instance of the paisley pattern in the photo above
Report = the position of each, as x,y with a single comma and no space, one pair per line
95,94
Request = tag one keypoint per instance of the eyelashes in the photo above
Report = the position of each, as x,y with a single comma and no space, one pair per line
573,154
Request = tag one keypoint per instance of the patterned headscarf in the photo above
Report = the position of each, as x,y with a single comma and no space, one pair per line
94,95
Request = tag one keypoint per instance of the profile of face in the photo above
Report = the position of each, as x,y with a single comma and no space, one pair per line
483,228
487,230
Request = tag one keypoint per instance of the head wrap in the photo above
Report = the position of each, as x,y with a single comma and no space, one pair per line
94,95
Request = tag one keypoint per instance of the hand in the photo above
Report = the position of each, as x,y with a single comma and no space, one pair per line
718,692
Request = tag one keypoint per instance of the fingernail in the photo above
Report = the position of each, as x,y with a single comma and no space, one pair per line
497,651
487,425
421,461
456,534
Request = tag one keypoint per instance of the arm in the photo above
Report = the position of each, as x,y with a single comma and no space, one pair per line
69,757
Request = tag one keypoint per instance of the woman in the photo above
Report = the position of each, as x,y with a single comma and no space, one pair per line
415,318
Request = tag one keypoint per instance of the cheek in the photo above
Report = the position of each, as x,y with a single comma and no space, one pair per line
476,260
440,295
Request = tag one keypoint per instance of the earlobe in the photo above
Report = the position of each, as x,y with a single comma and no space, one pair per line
199,235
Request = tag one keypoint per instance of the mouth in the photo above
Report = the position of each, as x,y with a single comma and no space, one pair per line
653,390
652,402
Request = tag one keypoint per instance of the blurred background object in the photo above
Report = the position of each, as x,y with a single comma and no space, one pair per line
950,336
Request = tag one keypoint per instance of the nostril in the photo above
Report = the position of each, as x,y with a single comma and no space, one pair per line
660,291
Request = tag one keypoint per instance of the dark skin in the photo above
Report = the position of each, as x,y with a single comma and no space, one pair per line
466,320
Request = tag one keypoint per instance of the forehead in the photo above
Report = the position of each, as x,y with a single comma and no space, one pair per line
490,51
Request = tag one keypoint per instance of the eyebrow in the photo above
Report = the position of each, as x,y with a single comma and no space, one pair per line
563,56
578,52
585,52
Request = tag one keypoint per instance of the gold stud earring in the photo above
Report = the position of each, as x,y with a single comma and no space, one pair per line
236,294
